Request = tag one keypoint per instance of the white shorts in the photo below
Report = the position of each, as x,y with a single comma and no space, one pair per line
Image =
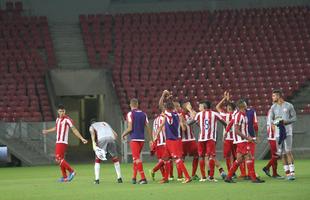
108,144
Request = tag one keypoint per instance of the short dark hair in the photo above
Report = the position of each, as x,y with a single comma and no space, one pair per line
206,104
61,106
240,102
246,100
93,120
278,91
232,105
169,105
182,102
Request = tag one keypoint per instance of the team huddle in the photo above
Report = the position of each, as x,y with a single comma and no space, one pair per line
173,139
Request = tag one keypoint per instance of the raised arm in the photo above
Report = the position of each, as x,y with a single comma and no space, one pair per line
162,98
220,104
191,111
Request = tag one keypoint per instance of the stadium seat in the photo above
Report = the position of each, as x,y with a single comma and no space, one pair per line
198,54
22,67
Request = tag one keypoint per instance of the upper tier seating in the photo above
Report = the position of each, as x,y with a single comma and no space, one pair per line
199,55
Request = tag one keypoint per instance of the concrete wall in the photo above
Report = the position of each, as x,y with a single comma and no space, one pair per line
89,82
69,10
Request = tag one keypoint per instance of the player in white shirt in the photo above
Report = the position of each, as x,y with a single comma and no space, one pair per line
103,137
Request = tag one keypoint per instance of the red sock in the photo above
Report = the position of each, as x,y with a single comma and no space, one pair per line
211,166
171,168
202,165
181,165
63,171
242,169
233,169
179,171
135,170
253,160
162,170
66,165
140,169
194,166
167,170
251,170
158,166
228,163
274,167
270,163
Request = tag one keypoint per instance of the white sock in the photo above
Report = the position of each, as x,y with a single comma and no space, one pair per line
292,168
286,168
97,170
117,167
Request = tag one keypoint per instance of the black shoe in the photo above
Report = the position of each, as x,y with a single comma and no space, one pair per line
133,181
143,181
229,180
96,181
120,180
258,181
267,172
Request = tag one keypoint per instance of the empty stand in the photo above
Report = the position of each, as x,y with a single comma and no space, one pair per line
26,52
199,55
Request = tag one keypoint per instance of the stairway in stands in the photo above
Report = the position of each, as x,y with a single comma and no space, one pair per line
68,44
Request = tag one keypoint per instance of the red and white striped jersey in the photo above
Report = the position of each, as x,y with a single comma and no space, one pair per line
161,138
62,128
270,132
241,120
227,116
207,121
188,134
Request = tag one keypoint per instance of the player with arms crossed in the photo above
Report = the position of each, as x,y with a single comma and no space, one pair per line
283,115
137,122
63,124
103,138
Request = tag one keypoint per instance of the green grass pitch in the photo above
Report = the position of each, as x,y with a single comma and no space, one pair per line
31,183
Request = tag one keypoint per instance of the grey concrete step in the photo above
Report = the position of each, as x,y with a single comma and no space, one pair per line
69,46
